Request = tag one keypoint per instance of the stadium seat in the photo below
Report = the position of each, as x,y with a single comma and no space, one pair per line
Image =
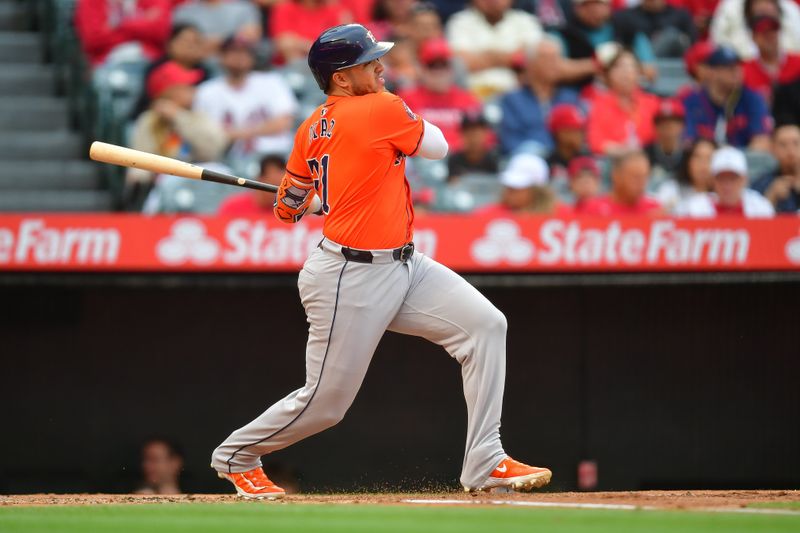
671,77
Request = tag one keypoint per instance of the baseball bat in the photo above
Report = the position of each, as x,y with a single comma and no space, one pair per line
127,157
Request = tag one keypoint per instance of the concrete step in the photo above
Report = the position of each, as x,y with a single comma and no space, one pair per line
13,16
55,174
51,201
26,79
20,47
36,113
32,146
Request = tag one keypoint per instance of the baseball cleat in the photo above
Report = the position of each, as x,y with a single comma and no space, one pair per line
517,476
254,484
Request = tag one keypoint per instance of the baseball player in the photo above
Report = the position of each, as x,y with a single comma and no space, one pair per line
348,164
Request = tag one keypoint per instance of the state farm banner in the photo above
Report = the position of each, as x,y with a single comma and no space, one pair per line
465,243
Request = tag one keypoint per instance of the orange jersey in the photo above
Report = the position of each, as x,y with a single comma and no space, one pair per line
353,150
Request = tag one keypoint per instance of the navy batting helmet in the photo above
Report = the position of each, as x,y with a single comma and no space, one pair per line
341,47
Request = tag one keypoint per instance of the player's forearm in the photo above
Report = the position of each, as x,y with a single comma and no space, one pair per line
294,198
434,145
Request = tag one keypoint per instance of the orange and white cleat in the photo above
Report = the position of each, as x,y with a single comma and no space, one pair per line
517,476
254,484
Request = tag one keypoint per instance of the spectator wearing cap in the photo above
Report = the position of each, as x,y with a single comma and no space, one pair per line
692,177
106,26
437,98
170,127
724,109
669,28
782,186
221,19
729,26
694,61
590,27
294,24
771,66
187,47
252,203
630,171
488,36
666,151
525,189
526,110
255,108
621,118
584,182
476,155
731,197
567,125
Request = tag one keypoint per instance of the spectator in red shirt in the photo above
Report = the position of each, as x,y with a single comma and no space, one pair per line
104,25
630,172
584,182
622,117
438,99
294,24
772,65
250,203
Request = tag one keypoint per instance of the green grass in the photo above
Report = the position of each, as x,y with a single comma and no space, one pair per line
309,518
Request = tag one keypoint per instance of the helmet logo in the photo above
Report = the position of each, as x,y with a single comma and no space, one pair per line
371,37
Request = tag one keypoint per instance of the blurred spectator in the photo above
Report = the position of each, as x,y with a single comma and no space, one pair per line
162,462
630,171
729,27
731,195
525,189
526,110
584,182
771,65
666,151
255,108
221,19
692,177
590,27
391,19
622,117
700,11
136,28
695,62
437,99
426,25
786,104
475,156
272,169
567,125
724,110
186,47
294,24
669,28
489,36
782,186
553,14
171,128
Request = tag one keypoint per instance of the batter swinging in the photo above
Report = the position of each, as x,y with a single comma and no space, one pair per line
348,163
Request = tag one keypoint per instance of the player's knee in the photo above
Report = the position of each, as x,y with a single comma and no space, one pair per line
332,415
494,321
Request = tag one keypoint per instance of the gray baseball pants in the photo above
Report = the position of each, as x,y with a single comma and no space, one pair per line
349,307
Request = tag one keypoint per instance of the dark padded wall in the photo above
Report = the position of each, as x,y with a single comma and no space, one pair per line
686,386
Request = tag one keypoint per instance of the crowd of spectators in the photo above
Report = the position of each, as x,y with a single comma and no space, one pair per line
553,100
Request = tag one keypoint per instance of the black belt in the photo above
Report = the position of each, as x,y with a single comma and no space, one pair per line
403,253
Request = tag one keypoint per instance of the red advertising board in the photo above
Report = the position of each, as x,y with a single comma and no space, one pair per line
33,242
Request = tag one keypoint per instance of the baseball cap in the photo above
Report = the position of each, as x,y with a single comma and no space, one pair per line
722,56
434,50
696,54
169,75
525,170
670,109
728,159
564,116
764,23
583,163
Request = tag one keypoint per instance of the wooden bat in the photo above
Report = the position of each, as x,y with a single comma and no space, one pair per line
127,157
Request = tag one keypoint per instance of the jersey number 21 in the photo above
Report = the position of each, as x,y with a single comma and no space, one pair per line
319,170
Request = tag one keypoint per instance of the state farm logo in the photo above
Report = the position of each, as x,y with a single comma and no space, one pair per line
792,250
502,242
188,242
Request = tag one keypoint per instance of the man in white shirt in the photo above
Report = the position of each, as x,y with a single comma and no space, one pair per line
255,108
489,37
731,195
